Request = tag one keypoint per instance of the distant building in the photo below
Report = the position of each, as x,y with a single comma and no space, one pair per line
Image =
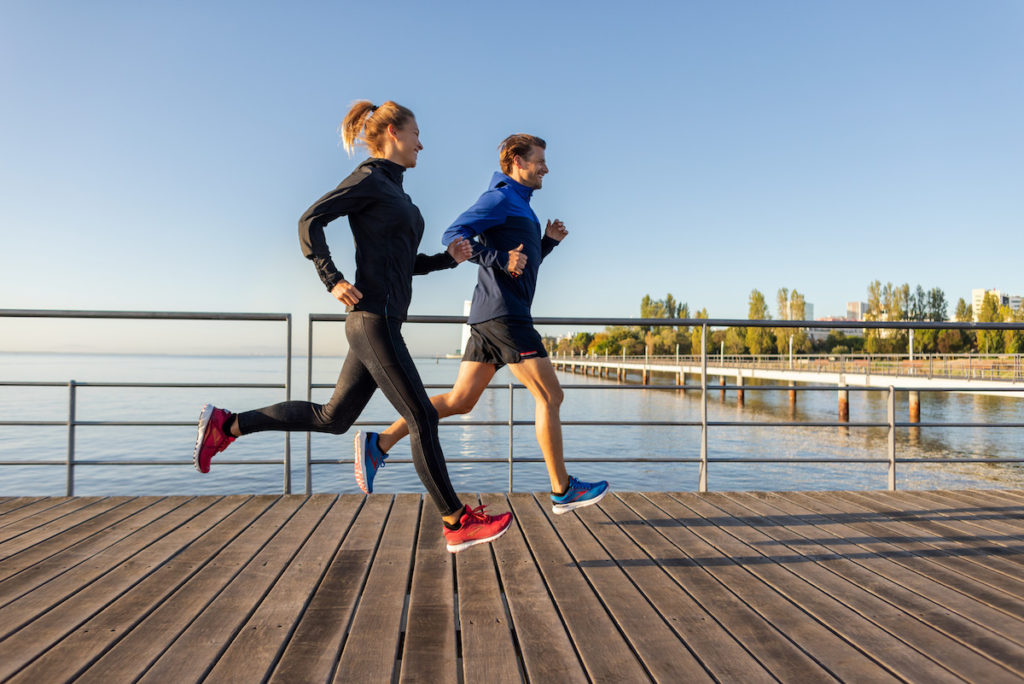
855,311
808,312
978,296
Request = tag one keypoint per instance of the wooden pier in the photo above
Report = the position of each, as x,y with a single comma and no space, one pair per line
669,587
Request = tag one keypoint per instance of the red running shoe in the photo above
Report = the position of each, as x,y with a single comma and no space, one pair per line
211,438
477,528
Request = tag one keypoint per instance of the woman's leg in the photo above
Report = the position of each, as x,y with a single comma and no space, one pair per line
461,398
351,394
378,343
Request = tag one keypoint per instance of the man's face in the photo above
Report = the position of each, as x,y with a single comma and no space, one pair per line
532,168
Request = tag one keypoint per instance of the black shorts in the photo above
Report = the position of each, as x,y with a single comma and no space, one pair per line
500,341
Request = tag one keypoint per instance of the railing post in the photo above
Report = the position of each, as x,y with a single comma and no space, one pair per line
511,430
702,485
287,397
309,398
71,439
891,404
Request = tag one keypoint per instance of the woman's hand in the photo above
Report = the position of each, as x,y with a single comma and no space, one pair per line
346,293
460,249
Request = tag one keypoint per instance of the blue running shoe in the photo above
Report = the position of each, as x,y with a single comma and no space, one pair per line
369,458
577,495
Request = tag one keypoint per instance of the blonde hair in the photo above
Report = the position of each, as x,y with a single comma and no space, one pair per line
367,123
517,145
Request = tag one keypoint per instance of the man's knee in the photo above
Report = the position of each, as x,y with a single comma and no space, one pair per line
550,397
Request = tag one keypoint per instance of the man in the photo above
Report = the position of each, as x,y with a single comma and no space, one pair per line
509,245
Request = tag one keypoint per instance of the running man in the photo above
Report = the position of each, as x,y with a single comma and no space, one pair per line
387,228
509,245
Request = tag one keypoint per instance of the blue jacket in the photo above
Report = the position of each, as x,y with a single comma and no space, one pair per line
500,221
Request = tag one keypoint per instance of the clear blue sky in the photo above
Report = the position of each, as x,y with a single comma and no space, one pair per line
157,156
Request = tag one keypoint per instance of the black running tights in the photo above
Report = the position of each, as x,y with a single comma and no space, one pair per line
377,357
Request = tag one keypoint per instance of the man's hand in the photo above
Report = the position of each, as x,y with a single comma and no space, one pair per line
516,261
556,230
346,293
460,249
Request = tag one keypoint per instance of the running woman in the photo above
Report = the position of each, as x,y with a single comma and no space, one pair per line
387,228
509,245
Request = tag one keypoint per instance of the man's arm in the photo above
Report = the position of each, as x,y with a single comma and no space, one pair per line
554,233
488,212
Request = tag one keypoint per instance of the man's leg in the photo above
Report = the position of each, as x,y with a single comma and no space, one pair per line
539,377
469,385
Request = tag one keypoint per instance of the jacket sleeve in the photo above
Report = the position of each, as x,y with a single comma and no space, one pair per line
435,262
546,245
349,197
489,211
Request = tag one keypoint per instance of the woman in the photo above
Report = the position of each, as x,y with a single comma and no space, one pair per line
387,228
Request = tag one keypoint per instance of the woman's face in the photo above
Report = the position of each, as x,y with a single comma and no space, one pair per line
405,144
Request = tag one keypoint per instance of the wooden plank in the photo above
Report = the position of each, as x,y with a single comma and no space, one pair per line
815,592
930,538
312,652
46,584
488,649
53,521
429,651
547,652
602,648
237,594
978,519
688,531
895,544
254,652
37,505
156,567
984,629
8,504
666,658
762,639
813,564
713,646
371,655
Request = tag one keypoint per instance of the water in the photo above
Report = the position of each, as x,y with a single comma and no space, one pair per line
605,443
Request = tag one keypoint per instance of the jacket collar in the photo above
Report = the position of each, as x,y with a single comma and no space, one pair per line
392,170
499,179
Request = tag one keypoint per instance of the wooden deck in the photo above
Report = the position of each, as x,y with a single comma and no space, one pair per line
669,587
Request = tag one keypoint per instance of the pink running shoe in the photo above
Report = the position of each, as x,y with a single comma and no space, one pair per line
477,528
211,438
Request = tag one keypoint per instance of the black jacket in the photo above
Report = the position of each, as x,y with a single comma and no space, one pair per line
386,227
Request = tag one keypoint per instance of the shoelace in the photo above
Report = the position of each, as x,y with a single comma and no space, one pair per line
477,514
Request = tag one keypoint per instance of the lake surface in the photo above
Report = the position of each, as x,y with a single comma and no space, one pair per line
605,444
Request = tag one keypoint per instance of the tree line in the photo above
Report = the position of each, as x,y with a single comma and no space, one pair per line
887,302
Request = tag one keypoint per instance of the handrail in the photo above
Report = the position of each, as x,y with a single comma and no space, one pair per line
876,364
71,462
705,424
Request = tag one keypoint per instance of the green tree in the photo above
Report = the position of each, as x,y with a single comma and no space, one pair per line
695,335
735,341
989,341
758,340
963,312
937,306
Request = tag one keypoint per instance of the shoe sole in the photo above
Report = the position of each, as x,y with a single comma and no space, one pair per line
204,422
455,548
360,457
559,509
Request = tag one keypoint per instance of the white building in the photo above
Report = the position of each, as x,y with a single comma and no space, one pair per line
855,311
978,295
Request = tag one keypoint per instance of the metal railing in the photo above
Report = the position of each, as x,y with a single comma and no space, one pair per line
997,367
70,462
705,460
